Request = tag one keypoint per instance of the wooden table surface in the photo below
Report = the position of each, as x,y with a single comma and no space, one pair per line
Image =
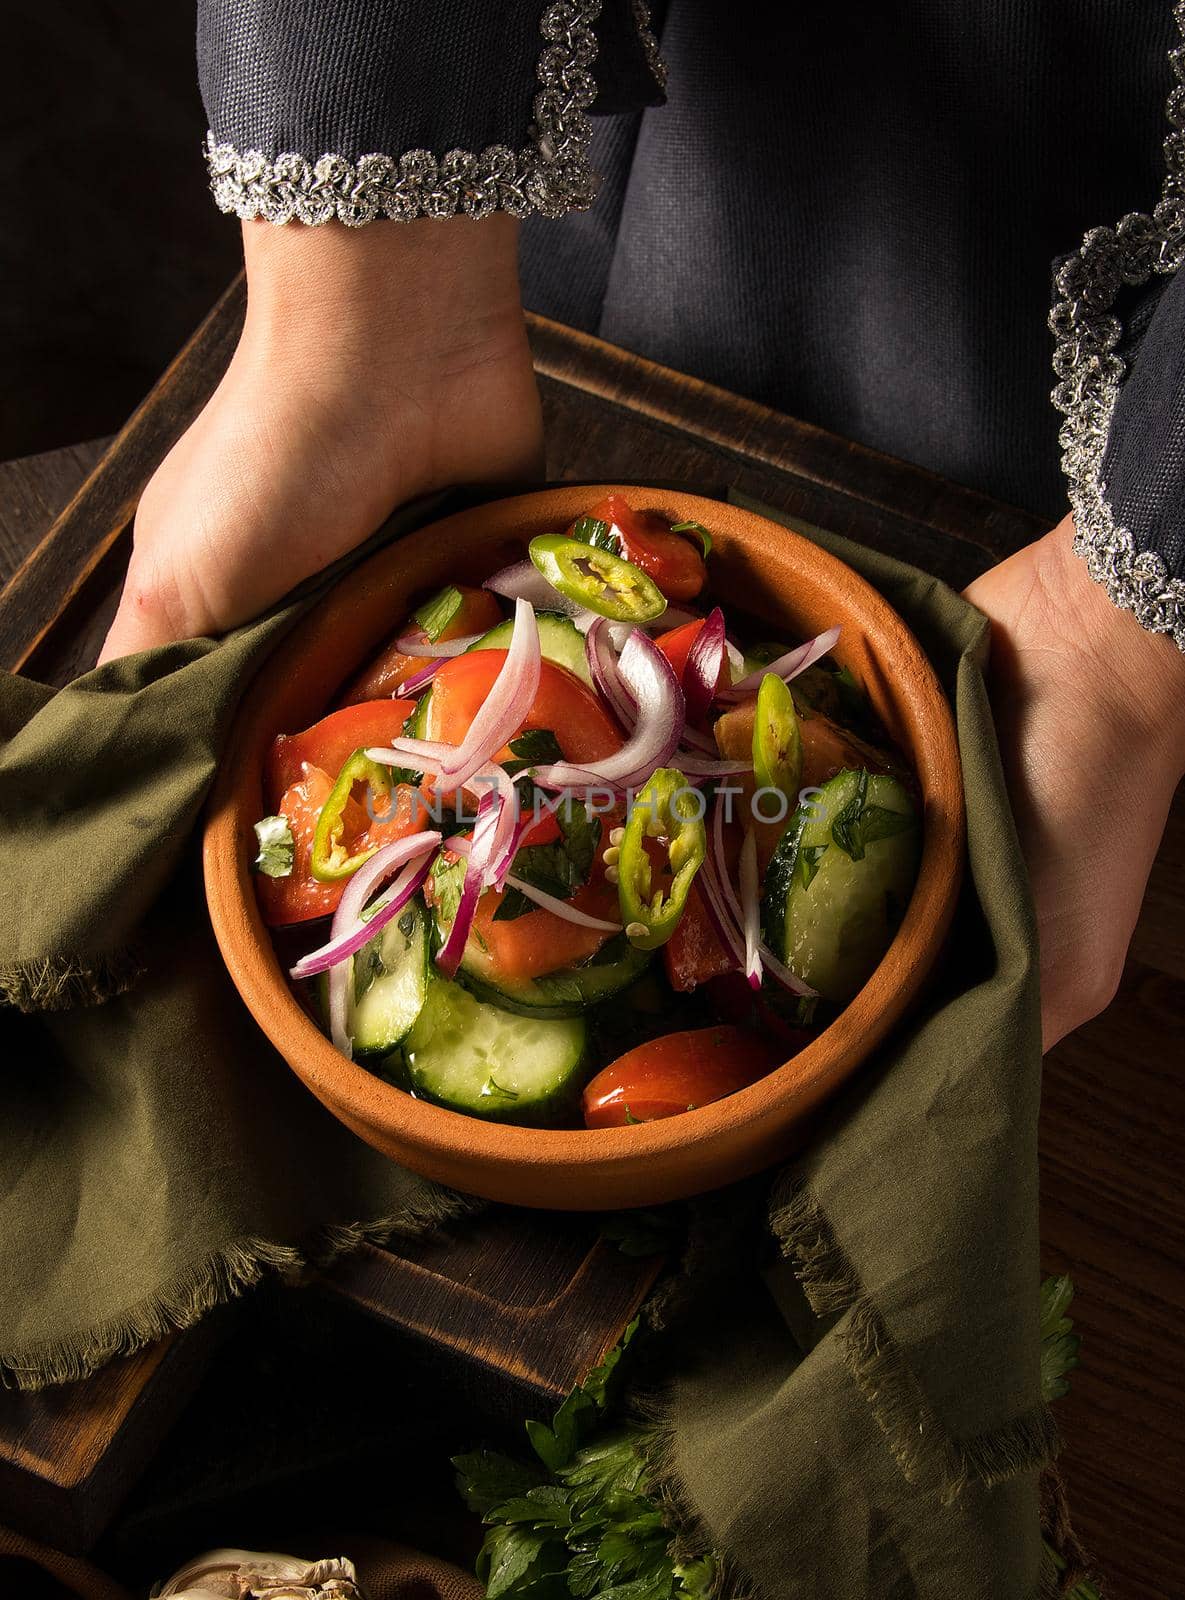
1114,1099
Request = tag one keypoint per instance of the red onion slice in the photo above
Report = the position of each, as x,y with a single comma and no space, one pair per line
606,674
751,909
502,714
786,667
726,929
419,679
651,680
348,931
704,662
479,853
419,644
701,743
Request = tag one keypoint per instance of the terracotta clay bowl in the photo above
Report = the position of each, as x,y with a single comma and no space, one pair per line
757,566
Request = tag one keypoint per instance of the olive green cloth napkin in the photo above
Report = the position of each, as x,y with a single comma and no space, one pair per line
867,1420
863,1419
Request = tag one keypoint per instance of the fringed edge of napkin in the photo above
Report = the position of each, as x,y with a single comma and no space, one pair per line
922,1449
218,1279
59,983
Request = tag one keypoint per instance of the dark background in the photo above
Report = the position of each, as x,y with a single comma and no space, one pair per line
110,251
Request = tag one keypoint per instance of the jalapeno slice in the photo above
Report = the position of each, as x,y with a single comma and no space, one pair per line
777,738
597,579
328,860
669,810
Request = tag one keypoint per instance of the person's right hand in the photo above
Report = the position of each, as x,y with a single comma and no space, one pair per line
375,365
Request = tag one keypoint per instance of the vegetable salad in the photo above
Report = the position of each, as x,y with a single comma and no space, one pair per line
570,852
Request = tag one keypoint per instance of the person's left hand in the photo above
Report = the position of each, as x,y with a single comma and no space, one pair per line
1090,711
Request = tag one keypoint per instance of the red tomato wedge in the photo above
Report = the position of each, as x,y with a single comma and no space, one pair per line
694,952
299,897
328,743
584,729
478,612
671,559
539,942
676,1073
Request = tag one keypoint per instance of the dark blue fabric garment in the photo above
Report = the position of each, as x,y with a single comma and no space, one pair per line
848,211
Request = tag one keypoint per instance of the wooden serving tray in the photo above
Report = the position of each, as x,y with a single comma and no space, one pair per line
517,1306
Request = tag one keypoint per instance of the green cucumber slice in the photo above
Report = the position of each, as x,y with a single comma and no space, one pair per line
488,1063
840,881
558,994
560,640
388,983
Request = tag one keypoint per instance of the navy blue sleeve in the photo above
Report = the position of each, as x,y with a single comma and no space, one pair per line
363,110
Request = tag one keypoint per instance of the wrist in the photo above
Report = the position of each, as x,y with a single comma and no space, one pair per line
1127,674
416,294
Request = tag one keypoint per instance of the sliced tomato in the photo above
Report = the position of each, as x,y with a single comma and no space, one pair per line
328,743
404,815
737,1003
676,1073
540,942
478,612
671,559
299,897
695,952
584,729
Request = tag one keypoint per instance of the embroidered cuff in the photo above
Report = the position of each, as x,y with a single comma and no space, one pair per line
1091,371
548,172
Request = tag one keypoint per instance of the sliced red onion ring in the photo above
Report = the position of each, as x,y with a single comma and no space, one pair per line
751,909
789,980
702,743
786,667
477,865
697,766
704,661
716,851
722,920
419,644
561,908
503,712
650,679
419,679
348,931
606,674
523,581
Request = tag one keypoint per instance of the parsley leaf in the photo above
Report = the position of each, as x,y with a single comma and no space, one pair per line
860,823
435,615
592,530
809,857
276,847
535,747
704,537
558,869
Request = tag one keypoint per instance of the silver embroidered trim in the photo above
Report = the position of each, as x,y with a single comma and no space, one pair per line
649,43
1090,374
550,175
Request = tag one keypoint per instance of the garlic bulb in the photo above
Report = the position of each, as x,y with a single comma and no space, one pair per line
251,1575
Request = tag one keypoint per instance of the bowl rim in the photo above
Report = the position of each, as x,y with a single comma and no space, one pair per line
254,966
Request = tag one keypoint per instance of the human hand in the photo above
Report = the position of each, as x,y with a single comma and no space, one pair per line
375,365
1090,711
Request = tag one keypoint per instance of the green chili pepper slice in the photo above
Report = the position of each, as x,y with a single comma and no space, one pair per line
597,579
670,810
777,738
328,860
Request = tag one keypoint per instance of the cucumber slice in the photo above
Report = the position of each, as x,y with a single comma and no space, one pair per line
388,983
558,994
560,640
840,881
488,1063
